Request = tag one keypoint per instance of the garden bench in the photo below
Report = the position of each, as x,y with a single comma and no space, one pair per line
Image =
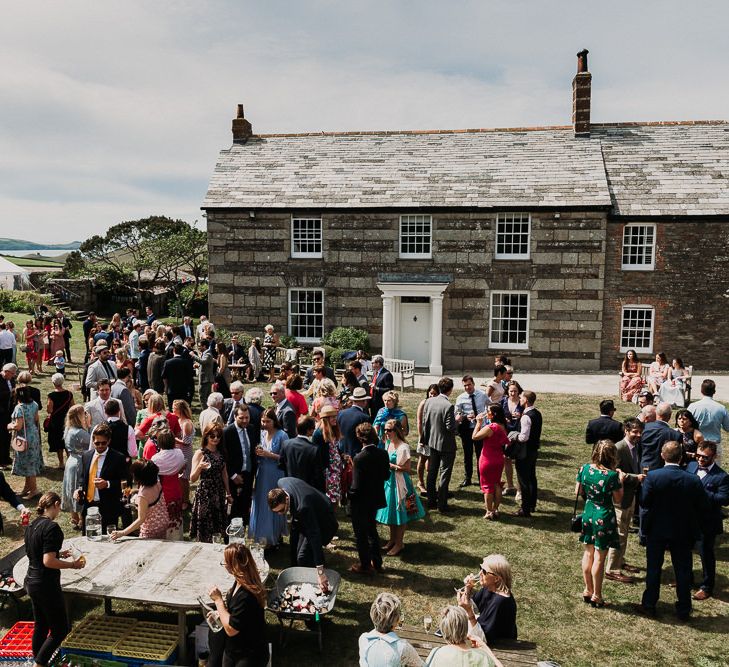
686,382
406,369
511,652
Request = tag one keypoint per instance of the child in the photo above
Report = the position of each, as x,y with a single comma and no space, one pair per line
59,362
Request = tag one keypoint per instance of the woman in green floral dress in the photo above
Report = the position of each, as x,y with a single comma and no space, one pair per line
602,485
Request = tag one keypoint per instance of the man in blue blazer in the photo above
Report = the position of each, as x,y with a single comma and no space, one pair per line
675,510
716,485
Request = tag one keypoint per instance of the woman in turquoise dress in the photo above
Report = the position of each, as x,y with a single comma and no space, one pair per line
390,411
602,486
403,503
266,526
28,464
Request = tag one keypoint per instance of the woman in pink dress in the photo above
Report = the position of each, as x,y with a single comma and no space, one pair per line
491,463
57,341
152,520
47,335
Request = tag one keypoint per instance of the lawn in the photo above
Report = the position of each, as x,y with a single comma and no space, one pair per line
34,262
544,555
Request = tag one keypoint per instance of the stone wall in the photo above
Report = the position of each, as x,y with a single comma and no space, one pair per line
689,290
251,271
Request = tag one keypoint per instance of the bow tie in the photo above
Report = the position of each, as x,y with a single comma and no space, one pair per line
704,468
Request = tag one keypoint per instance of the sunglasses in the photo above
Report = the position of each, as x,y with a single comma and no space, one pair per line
704,456
214,436
389,430
488,572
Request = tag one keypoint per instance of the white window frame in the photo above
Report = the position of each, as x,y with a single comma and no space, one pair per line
637,306
306,255
304,339
508,346
413,218
513,218
650,266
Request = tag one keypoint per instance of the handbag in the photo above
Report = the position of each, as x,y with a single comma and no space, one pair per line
19,443
576,520
411,506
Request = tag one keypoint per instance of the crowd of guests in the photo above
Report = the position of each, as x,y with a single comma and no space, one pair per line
331,442
672,477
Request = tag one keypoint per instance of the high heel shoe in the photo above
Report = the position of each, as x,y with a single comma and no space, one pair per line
587,599
598,603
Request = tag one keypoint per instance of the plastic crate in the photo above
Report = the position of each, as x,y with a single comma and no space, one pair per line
148,643
85,661
98,634
18,641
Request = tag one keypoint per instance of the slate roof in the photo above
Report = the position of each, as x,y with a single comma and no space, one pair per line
680,169
635,168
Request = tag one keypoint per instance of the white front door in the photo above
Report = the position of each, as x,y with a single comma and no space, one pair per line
414,330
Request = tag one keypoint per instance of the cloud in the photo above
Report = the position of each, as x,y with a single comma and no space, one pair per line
112,111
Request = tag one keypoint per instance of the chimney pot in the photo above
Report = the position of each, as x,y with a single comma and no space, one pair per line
581,97
582,61
242,129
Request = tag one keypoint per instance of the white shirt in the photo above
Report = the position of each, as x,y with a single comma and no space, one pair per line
703,473
7,340
131,438
525,428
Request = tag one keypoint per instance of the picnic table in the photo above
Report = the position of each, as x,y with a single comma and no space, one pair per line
159,572
512,653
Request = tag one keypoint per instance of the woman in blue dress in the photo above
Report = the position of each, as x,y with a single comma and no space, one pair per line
266,526
403,503
28,464
390,411
76,438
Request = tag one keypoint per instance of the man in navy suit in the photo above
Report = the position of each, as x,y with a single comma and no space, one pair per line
716,485
382,382
675,510
350,418
604,427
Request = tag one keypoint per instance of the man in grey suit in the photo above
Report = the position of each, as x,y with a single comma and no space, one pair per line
629,463
439,433
100,369
284,410
95,408
206,371
120,391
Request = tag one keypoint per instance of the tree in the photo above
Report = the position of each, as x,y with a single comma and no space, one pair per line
185,254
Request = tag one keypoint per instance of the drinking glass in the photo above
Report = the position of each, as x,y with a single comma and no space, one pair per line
110,529
427,623
218,541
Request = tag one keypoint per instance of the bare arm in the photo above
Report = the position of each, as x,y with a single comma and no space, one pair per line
143,506
198,465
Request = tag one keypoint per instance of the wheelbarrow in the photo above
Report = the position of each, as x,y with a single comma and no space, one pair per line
302,575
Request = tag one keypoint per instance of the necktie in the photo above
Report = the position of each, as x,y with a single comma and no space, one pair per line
245,448
473,404
634,454
107,368
231,416
91,489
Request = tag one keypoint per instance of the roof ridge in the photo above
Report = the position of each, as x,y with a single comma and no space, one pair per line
365,133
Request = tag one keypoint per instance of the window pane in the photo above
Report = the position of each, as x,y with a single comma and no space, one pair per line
415,234
306,314
637,328
509,318
638,245
306,236
512,235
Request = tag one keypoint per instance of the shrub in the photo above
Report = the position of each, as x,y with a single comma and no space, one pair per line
288,341
348,338
20,302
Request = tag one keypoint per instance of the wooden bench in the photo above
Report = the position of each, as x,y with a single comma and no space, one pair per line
512,653
405,368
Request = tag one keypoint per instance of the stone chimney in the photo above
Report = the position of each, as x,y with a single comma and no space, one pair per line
242,129
581,95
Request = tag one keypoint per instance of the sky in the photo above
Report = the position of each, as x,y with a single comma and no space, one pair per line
113,111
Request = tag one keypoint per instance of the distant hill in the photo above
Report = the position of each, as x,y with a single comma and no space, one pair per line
17,244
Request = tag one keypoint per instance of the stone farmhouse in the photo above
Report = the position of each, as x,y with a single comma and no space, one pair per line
559,246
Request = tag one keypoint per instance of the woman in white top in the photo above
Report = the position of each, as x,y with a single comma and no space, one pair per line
495,388
460,650
381,647
658,372
671,391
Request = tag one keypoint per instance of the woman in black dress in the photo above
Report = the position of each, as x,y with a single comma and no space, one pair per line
242,641
43,541
496,605
59,402
209,506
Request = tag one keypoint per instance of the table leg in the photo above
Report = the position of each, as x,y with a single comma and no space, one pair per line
182,636
107,607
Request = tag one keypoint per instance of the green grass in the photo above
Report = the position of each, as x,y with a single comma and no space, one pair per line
33,262
544,555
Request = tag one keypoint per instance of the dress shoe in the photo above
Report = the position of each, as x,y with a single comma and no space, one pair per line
522,513
630,568
378,568
701,594
358,569
619,576
644,611
464,483
510,491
